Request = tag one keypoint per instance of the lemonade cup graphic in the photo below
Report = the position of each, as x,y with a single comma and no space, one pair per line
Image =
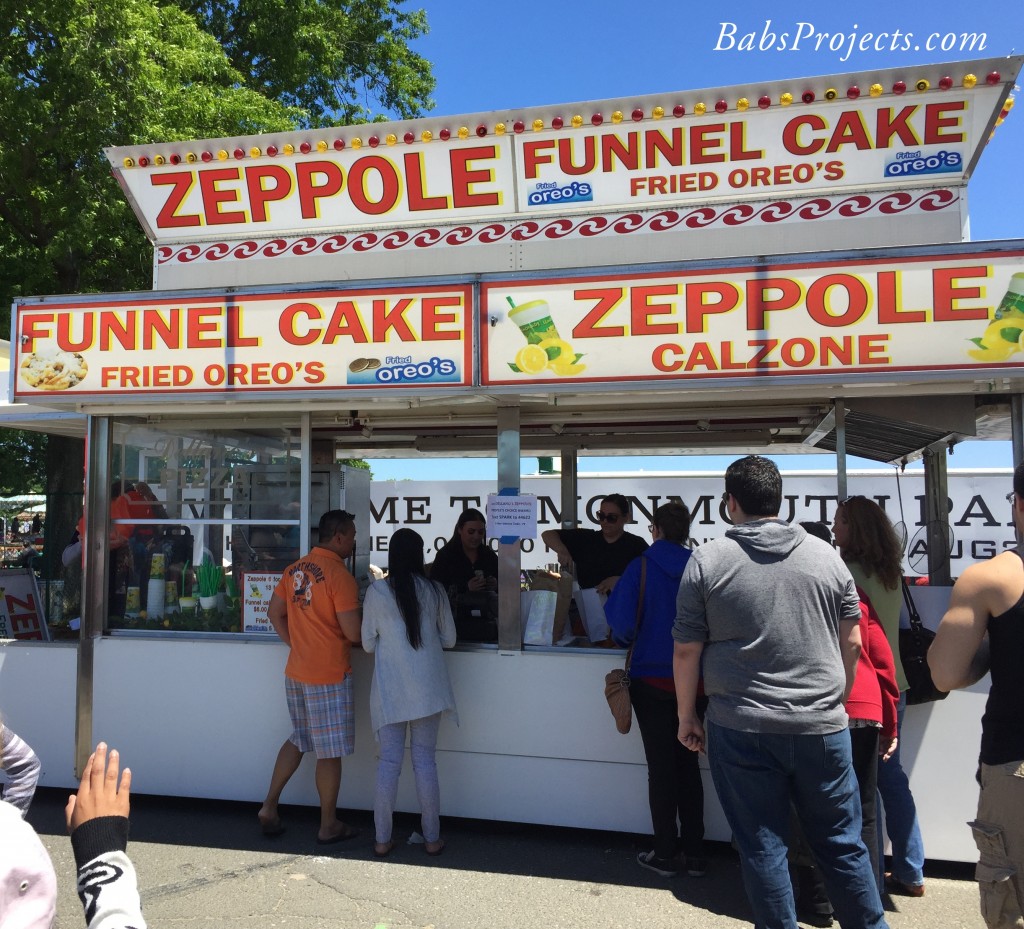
544,349
534,321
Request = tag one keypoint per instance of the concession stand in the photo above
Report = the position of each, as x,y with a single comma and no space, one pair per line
779,267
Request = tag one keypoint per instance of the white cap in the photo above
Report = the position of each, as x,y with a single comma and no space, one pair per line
28,885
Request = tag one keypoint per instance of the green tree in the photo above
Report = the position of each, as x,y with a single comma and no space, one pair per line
343,62
79,75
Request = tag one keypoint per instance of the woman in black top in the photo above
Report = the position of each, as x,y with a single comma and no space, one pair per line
466,563
600,555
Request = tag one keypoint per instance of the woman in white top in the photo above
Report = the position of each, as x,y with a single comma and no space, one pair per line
407,621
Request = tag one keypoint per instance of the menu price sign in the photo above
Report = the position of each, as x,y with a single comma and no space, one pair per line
257,588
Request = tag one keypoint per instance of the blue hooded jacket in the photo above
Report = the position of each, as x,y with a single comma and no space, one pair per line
652,656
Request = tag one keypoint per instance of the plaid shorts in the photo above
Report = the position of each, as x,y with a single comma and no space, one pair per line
323,716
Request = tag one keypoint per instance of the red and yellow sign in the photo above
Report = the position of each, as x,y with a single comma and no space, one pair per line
402,337
792,139
832,318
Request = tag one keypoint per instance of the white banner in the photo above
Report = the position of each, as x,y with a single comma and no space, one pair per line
979,524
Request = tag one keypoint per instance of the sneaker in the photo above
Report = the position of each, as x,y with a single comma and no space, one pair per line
696,867
666,867
814,917
895,886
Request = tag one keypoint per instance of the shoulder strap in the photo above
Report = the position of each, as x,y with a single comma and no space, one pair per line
915,617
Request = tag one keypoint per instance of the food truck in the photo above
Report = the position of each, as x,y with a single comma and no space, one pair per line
778,267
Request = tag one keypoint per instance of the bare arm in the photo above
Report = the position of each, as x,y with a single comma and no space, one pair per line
958,657
849,647
686,673
351,622
277,613
552,538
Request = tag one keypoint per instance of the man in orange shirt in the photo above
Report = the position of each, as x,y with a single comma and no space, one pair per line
315,610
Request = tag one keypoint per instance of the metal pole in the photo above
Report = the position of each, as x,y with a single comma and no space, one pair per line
1017,427
841,488
1017,434
510,637
569,488
95,570
936,509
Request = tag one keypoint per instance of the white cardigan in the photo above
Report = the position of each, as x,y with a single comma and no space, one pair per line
408,683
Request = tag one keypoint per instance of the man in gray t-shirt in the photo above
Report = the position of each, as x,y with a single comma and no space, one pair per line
773,615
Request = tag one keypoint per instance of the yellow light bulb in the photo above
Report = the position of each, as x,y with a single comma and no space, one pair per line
391,138
222,155
538,124
129,162
287,149
875,90
356,143
499,129
254,152
617,116
576,121
426,135
700,109
658,112
463,132
970,80
321,146
742,104
786,99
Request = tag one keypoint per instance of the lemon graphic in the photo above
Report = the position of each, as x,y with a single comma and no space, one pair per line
555,349
531,359
1002,339
567,369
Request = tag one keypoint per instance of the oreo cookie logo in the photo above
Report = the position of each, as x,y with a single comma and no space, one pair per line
550,193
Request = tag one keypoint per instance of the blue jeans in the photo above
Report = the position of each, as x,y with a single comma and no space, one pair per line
757,775
900,814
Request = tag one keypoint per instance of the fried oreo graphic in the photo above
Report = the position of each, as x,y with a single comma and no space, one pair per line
53,370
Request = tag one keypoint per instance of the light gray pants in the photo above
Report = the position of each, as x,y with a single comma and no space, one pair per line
423,741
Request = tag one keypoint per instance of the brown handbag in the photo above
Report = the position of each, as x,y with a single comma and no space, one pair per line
616,681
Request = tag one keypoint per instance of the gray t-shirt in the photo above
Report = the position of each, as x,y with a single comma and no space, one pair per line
767,601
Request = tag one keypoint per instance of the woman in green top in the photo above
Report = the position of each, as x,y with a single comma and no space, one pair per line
871,549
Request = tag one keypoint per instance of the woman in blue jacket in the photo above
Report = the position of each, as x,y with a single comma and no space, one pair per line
675,790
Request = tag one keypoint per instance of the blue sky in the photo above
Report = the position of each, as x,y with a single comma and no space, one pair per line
490,56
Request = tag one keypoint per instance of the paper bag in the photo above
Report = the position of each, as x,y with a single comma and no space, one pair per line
549,609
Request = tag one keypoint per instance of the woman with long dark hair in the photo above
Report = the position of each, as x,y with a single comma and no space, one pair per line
871,549
407,622
465,564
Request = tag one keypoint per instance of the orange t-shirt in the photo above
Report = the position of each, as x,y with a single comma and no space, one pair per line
315,589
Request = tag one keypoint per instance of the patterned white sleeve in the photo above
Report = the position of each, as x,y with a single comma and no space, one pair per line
22,767
109,891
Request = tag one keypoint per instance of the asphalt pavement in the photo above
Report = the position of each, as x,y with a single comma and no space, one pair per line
204,864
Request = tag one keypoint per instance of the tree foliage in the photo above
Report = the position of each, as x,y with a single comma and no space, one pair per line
345,61
79,75
21,463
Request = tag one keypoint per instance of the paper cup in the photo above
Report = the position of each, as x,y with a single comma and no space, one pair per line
156,566
131,602
156,592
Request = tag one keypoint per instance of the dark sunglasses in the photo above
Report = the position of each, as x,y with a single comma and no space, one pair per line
611,518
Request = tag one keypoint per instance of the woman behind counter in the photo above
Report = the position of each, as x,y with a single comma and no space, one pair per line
466,563
600,555
407,622
675,789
